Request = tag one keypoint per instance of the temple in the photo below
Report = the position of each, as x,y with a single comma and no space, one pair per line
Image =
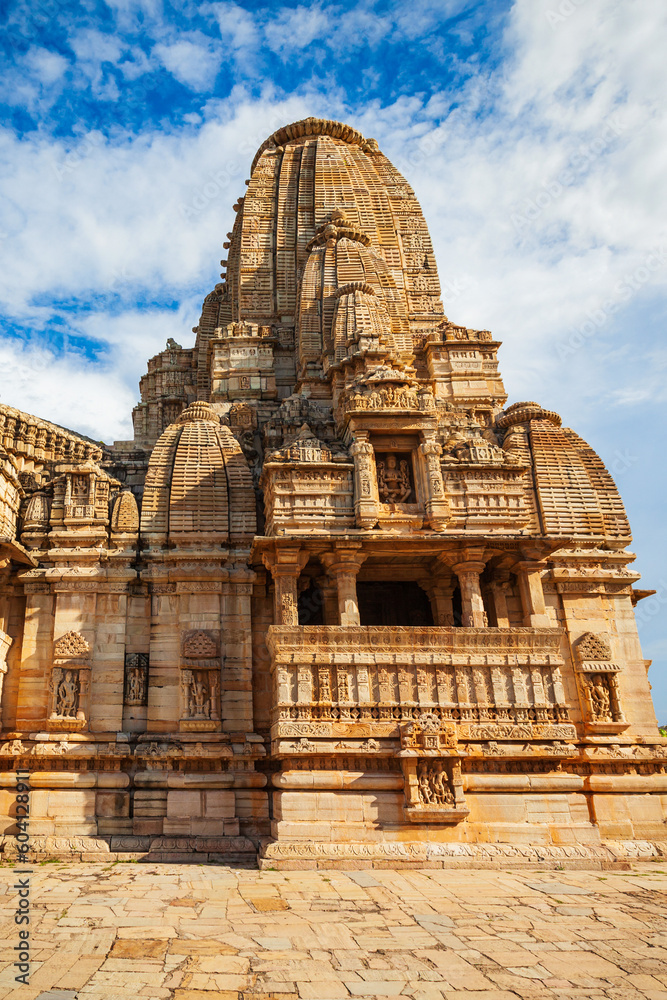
336,603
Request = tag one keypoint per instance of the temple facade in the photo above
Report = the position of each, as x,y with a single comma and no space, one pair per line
336,603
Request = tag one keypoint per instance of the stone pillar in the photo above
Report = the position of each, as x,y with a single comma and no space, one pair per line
37,658
529,575
108,672
329,600
472,605
435,503
164,680
236,707
440,596
343,566
285,564
366,500
498,594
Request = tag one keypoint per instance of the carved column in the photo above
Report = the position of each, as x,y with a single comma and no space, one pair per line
498,594
529,575
329,600
343,565
437,508
472,604
440,595
366,502
285,565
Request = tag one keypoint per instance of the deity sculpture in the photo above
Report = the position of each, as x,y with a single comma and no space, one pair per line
394,480
433,784
67,694
600,700
200,701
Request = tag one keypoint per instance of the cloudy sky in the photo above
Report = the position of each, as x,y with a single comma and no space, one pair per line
533,132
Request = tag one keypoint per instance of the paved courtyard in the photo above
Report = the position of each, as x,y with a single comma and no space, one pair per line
200,932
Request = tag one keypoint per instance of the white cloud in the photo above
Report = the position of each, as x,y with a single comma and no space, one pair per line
238,28
35,80
297,28
65,390
193,61
48,67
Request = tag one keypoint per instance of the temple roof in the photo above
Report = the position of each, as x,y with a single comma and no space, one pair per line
198,482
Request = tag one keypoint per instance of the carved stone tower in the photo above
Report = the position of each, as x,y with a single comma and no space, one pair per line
335,600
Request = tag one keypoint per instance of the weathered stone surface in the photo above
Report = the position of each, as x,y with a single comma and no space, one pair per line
167,931
336,603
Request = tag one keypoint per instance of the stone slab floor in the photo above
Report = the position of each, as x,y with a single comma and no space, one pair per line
204,932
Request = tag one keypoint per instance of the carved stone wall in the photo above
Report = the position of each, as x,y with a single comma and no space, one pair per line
332,444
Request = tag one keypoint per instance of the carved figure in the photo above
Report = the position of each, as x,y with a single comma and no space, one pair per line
443,792
200,688
67,694
434,785
394,484
425,791
136,678
600,699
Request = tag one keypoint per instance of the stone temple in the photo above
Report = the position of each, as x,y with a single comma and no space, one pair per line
336,603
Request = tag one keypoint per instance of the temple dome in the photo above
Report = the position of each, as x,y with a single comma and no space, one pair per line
575,493
360,321
198,483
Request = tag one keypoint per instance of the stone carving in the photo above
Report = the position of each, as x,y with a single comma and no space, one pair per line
393,656
600,698
200,694
136,678
394,479
66,686
158,750
428,734
595,648
52,749
329,422
199,645
434,784
37,513
71,645
304,745
289,608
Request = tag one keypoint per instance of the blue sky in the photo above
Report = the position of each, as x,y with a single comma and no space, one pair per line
533,132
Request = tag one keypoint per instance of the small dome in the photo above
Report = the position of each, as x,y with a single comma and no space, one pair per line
198,483
523,413
576,495
199,410
125,514
360,320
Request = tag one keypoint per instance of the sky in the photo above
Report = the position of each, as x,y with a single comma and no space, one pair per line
533,132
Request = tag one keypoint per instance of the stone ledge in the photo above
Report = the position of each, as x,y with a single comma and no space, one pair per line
610,854
224,850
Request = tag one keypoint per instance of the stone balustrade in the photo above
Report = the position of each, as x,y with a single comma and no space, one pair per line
380,675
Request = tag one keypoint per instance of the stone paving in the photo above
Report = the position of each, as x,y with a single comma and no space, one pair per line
204,932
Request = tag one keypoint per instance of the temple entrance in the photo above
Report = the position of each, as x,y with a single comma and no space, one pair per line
393,603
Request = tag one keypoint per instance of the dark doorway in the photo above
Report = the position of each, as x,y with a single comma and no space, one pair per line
391,603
